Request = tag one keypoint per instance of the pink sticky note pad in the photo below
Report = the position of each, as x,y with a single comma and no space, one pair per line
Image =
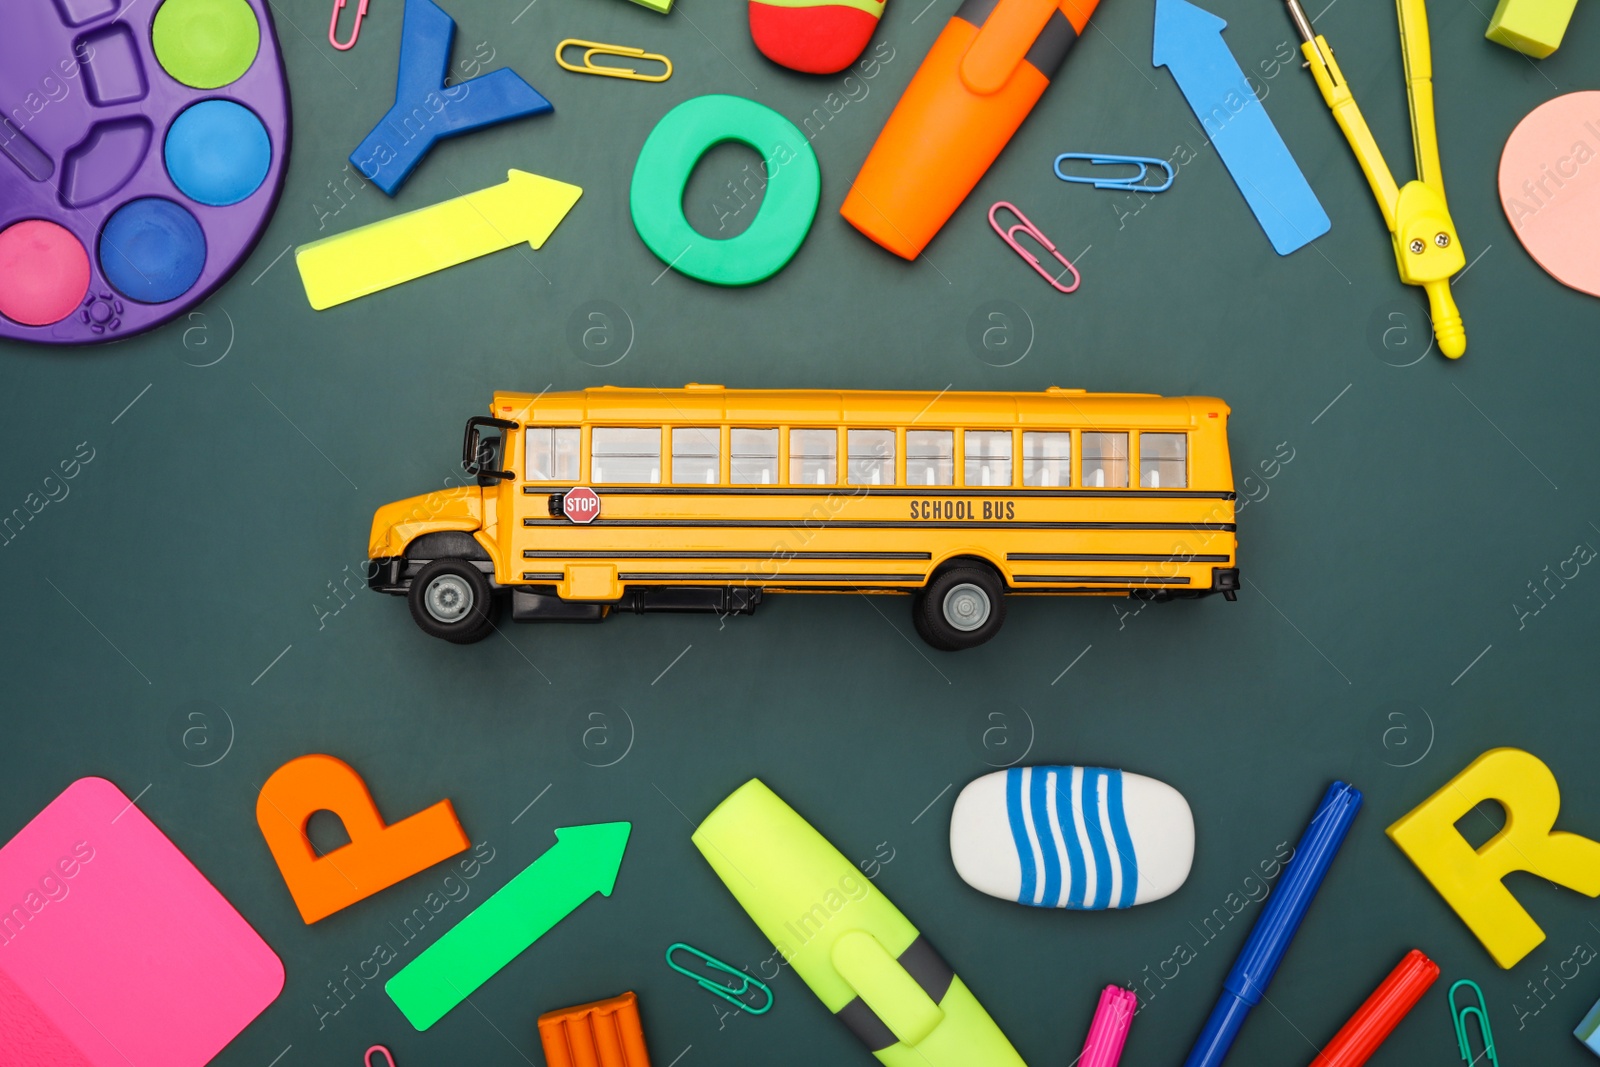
1550,188
114,949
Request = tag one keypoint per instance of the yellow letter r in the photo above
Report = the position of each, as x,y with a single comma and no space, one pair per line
1471,880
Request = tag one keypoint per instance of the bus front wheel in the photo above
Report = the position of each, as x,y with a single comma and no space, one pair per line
451,599
962,607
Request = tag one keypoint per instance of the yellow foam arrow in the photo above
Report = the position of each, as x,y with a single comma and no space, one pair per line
526,208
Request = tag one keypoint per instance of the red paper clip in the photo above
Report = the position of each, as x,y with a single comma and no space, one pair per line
355,30
1008,235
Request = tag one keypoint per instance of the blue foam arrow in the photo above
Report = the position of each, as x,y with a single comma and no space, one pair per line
1188,42
426,110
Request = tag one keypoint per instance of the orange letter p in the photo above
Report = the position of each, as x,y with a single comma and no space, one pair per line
377,856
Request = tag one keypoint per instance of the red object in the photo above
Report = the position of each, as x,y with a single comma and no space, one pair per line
819,39
581,504
1373,1022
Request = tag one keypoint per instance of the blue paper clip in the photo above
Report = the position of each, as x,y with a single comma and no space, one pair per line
726,992
1128,185
1459,1017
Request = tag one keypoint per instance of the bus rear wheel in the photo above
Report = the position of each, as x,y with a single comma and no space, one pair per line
962,607
451,599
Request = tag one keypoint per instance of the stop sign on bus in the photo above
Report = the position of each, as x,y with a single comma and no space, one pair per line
581,504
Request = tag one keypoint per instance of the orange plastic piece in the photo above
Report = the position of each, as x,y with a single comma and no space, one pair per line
966,100
939,141
378,855
606,1033
1002,42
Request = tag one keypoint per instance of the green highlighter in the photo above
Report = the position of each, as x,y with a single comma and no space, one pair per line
864,959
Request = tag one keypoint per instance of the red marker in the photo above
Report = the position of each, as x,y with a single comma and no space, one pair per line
1376,1019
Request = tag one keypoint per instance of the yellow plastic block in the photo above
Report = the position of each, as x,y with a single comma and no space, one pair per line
1471,882
1532,27
525,208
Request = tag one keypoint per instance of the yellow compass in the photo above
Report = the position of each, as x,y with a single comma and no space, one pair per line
1426,248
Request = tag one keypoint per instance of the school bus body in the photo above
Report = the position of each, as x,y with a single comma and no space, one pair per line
712,544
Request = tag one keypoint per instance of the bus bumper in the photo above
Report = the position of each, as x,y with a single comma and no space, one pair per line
1225,580
386,575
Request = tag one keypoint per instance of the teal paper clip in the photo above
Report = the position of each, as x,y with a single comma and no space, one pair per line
1459,1016
1131,184
726,992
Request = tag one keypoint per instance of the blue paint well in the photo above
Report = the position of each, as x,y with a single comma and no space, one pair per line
218,153
152,250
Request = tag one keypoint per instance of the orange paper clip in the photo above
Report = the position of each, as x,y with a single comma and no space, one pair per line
1008,235
355,30
606,1033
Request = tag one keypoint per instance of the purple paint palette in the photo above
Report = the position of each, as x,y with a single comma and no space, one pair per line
143,145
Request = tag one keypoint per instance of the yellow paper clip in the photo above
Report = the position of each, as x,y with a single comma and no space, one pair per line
594,48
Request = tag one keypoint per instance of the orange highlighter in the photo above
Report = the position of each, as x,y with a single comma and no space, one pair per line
988,68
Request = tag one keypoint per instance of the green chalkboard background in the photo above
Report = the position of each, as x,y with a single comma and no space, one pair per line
195,574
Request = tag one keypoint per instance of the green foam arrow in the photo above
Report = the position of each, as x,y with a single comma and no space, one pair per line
584,861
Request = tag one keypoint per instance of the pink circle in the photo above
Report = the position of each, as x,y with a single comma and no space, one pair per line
1550,188
44,273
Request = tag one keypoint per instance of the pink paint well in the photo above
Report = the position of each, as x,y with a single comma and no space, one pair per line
44,273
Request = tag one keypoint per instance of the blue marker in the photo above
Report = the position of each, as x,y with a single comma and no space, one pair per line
1275,927
1188,41
426,110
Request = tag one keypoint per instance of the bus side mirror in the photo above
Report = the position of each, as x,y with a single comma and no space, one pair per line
480,456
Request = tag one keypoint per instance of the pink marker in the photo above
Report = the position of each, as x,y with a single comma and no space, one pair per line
1109,1031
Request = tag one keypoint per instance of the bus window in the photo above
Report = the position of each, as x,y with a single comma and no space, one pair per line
813,457
552,453
625,454
1163,460
696,454
1105,460
930,457
753,456
1047,459
988,454
871,456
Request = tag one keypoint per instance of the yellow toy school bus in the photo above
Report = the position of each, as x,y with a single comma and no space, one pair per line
706,499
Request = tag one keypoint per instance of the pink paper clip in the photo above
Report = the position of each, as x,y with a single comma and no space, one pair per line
1109,1031
387,1055
345,46
1008,235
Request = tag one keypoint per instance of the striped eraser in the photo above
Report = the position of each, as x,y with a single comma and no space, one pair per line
1072,837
